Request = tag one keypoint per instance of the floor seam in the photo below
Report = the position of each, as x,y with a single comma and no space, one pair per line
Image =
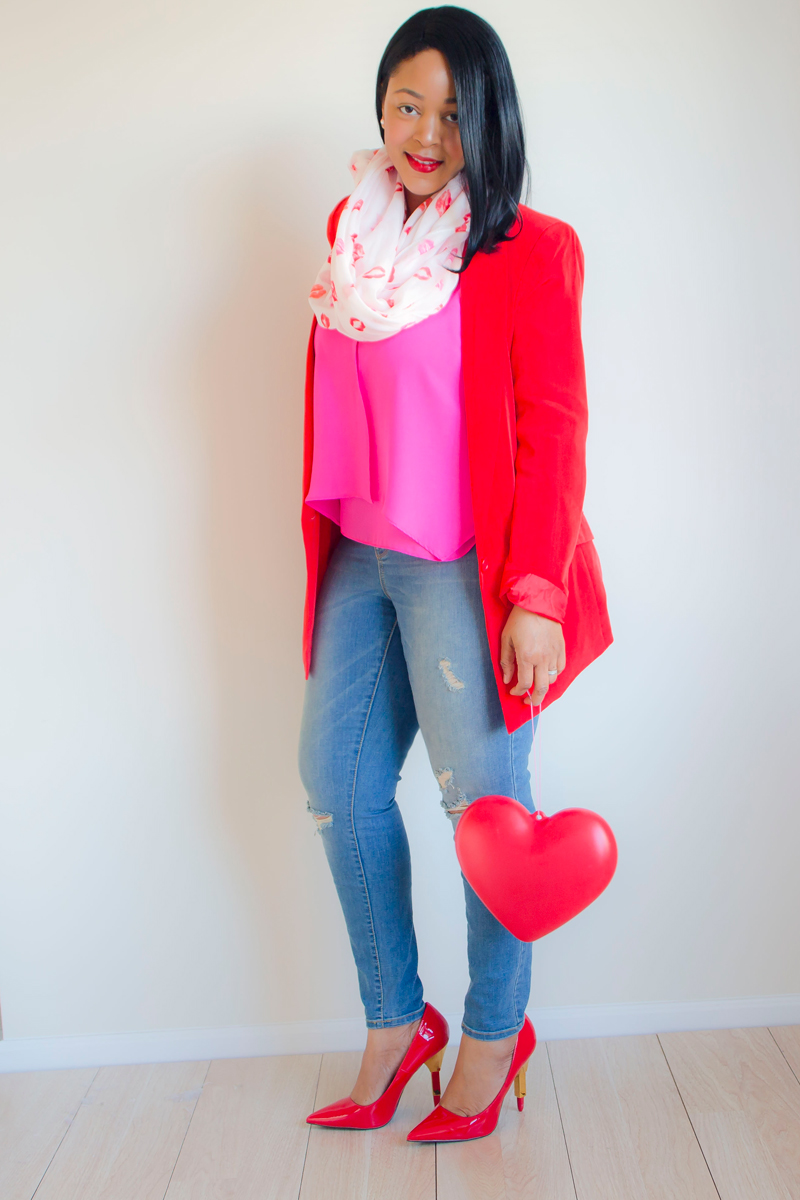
688,1117
89,1086
780,1048
310,1128
186,1130
561,1121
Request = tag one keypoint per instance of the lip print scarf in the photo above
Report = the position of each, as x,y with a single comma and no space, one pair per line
384,272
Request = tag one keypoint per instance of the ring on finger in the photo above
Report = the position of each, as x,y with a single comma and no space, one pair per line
552,672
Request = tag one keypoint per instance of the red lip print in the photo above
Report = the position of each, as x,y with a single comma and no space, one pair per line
317,291
324,321
354,321
374,273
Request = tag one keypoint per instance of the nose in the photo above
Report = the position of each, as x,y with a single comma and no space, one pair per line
427,130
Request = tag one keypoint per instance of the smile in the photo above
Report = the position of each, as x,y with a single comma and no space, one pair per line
423,164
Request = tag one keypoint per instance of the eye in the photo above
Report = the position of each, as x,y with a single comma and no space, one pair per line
410,106
454,116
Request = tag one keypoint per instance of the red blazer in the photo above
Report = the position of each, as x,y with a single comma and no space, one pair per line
526,418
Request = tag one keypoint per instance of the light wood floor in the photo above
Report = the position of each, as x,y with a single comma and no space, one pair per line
683,1116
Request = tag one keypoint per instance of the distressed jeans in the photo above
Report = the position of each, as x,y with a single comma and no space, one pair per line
400,645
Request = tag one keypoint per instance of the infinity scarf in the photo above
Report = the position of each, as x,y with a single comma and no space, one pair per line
384,272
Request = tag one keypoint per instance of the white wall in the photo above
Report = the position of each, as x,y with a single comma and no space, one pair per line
168,170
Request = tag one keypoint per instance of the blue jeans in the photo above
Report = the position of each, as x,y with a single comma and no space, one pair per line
399,645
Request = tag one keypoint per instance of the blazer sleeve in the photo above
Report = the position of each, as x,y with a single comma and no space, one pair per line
333,220
551,414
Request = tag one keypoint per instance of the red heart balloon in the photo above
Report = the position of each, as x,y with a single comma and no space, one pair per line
531,871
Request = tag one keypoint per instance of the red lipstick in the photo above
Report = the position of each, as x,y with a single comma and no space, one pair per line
425,165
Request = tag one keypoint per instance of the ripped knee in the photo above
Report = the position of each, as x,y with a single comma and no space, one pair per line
452,799
454,684
322,820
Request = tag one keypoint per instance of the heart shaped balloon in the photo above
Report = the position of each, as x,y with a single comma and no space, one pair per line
534,872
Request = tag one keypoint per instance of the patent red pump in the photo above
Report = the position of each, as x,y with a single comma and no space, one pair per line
427,1046
441,1125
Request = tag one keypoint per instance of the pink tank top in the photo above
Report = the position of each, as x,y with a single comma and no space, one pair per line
389,461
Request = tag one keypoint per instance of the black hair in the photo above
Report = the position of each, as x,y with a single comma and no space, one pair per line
489,117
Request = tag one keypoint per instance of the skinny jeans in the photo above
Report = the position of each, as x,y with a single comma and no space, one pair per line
399,645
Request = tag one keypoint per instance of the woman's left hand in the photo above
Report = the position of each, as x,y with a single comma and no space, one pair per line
535,646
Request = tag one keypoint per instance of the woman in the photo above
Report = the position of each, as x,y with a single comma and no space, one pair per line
452,580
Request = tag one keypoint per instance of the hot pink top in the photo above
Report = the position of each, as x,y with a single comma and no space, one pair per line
389,460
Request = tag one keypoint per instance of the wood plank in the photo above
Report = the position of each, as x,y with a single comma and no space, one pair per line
248,1136
601,1150
116,1133
669,1156
36,1111
126,1136
626,1128
744,1103
525,1157
378,1164
741,1167
788,1039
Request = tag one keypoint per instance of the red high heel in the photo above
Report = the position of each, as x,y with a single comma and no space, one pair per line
427,1046
441,1125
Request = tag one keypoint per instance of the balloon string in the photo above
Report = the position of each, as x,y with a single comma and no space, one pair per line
536,758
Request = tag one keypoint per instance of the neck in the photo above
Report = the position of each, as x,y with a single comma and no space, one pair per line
412,201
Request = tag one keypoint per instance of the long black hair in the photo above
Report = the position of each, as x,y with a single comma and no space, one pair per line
489,118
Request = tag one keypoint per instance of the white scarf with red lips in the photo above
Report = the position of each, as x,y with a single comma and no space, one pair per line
384,272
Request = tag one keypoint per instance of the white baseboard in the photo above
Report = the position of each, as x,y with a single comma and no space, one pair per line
315,1037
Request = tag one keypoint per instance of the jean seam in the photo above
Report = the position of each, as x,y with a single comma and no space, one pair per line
493,1034
353,822
516,981
390,1022
380,577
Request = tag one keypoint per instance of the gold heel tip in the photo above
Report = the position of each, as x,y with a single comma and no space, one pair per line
435,1063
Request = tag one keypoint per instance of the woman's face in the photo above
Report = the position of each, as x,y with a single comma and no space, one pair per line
420,125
